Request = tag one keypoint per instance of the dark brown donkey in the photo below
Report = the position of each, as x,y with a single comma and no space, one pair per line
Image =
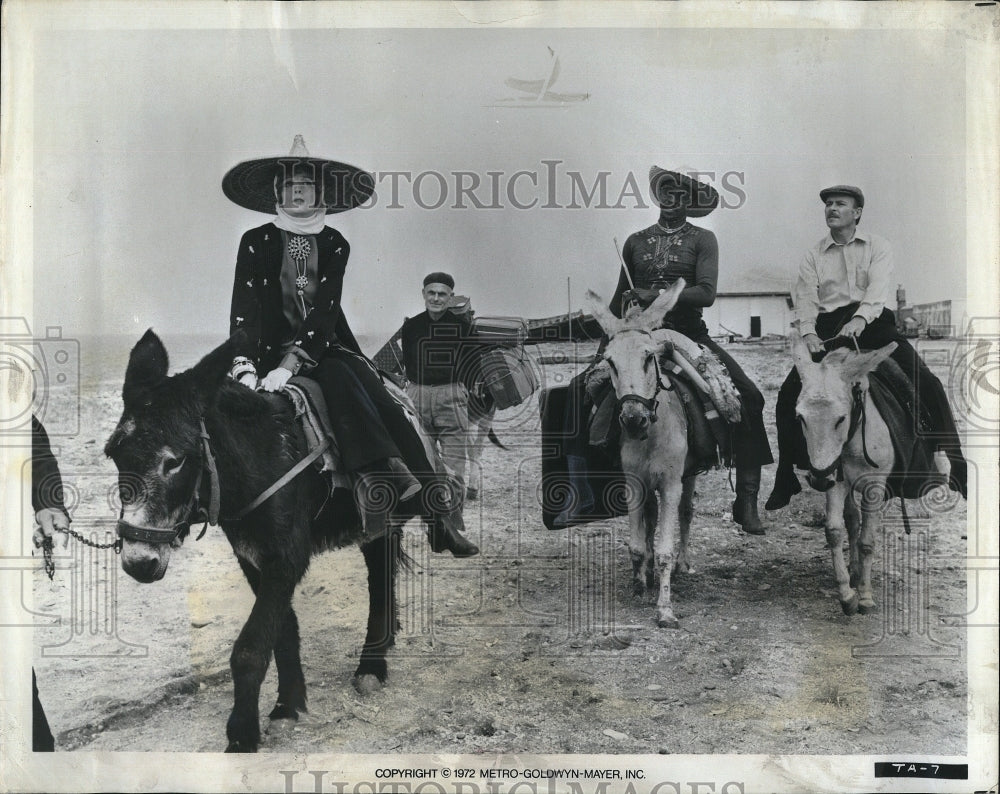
196,445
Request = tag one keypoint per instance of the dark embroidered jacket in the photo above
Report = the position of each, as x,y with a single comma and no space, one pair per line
655,260
257,299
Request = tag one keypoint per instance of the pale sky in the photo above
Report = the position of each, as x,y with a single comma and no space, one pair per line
135,129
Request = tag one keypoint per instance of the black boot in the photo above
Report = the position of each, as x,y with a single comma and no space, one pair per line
379,489
580,499
786,485
444,535
745,504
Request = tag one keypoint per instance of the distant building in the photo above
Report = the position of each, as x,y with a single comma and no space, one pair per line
923,319
749,314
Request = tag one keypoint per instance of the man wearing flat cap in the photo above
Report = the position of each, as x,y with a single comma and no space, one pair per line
656,257
442,362
844,284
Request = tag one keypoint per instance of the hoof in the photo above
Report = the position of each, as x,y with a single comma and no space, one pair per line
850,606
866,607
638,589
366,684
668,622
237,747
284,712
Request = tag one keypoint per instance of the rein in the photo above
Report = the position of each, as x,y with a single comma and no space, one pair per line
198,514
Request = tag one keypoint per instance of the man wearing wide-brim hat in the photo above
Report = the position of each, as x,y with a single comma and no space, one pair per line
287,300
843,288
655,258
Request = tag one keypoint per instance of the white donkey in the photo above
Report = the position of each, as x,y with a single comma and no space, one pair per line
653,445
850,456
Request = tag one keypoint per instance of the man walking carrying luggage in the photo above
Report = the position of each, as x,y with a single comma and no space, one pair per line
442,360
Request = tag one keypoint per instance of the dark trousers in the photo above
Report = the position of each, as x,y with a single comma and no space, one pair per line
368,424
933,418
41,735
751,449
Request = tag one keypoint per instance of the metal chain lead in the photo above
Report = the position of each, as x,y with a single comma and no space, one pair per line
48,545
86,541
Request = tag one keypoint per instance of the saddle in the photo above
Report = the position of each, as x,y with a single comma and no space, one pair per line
312,415
709,435
311,412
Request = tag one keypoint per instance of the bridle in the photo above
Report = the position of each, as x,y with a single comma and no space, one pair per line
649,403
196,512
858,419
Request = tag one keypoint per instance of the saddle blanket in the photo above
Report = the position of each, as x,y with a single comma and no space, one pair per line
894,395
312,413
709,446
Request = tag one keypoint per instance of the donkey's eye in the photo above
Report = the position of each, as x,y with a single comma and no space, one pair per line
840,421
801,418
172,465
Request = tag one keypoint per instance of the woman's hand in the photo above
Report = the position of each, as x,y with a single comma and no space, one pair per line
276,379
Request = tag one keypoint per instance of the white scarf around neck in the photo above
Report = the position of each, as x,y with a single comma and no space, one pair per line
312,224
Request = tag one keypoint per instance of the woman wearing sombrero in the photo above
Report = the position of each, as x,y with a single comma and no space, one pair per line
287,301
656,257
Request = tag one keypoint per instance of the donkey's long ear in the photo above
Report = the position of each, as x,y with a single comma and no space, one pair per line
800,354
147,367
857,365
652,317
610,324
209,373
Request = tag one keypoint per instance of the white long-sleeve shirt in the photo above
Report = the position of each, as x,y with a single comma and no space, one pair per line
835,274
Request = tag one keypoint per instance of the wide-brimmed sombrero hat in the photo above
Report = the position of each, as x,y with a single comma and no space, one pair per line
341,187
703,197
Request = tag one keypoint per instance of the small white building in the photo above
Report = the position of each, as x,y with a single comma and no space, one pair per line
749,314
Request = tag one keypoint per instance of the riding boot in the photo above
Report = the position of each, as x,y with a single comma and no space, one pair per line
444,500
786,485
391,473
580,498
444,535
745,504
381,486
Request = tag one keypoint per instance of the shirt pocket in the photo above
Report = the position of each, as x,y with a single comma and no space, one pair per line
861,278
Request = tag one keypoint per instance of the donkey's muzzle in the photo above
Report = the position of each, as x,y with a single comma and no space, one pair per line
635,424
144,571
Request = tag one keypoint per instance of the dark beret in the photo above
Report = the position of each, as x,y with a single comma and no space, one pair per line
843,190
439,278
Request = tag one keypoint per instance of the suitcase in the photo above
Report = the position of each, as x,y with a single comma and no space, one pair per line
501,331
604,475
508,375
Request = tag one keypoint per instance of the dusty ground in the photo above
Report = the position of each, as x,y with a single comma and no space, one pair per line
536,645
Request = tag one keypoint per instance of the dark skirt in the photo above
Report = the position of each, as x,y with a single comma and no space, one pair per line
367,422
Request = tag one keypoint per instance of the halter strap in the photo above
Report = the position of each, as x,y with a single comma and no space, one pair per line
196,512
649,403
